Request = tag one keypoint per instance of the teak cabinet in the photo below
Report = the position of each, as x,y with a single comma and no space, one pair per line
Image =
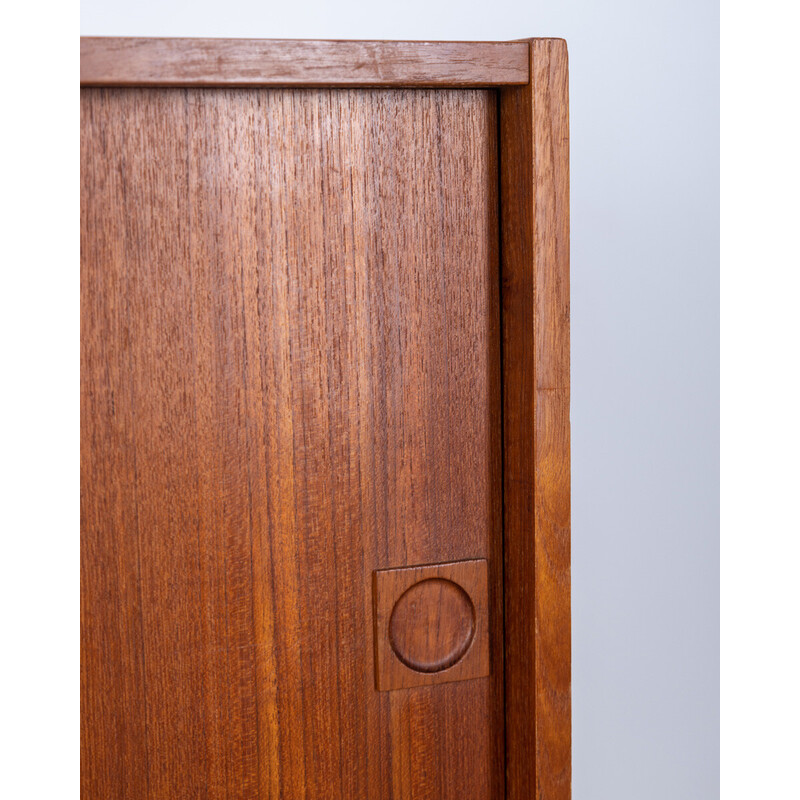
325,420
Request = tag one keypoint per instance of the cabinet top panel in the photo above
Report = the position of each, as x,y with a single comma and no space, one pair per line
111,61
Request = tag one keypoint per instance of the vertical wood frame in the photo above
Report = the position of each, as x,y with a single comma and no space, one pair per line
534,192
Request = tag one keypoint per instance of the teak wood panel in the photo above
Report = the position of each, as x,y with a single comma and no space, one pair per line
110,61
290,379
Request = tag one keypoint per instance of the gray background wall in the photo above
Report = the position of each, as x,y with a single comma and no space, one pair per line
644,83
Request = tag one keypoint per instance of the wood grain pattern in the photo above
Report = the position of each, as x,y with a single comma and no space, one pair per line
431,624
290,378
109,61
534,146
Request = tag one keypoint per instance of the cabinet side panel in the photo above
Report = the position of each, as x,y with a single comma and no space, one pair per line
534,169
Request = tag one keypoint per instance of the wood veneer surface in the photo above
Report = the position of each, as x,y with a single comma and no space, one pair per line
290,378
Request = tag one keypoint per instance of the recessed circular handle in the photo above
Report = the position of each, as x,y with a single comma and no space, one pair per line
432,625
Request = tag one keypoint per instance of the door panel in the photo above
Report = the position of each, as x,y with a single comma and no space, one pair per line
290,380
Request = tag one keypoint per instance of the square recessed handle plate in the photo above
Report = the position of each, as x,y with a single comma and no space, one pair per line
431,624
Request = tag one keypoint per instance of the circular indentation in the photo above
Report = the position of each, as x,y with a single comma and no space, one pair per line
432,625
